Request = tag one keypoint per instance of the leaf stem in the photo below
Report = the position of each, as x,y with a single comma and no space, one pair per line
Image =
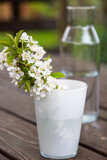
22,44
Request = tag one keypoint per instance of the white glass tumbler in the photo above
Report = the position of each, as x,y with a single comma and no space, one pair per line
59,119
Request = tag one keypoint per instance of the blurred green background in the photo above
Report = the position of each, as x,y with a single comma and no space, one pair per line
54,10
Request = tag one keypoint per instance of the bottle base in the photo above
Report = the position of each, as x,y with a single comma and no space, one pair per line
88,118
58,157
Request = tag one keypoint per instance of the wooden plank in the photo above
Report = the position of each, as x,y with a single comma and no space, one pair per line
4,75
36,24
103,86
3,157
103,71
24,107
19,140
103,93
94,135
22,104
103,114
26,0
86,154
18,103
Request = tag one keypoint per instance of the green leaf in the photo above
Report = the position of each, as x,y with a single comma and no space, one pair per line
18,35
25,69
22,82
57,75
11,38
56,86
10,50
10,58
5,43
24,87
47,58
19,50
28,85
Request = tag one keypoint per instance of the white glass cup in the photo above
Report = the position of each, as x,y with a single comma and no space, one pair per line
59,119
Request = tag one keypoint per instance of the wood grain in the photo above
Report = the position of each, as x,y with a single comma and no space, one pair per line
24,107
94,135
3,157
86,154
19,139
23,103
17,103
103,94
103,114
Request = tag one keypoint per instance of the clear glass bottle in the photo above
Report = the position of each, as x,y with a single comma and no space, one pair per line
80,55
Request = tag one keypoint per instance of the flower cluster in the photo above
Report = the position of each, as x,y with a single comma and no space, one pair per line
25,62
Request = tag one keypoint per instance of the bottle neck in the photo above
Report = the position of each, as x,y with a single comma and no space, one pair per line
80,16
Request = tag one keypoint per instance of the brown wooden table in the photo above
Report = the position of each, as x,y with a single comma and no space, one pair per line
18,132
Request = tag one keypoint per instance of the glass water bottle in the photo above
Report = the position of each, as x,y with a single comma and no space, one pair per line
80,55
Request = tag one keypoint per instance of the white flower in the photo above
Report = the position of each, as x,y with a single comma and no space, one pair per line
25,90
3,58
32,71
14,62
32,41
42,94
26,55
39,51
39,82
1,66
61,85
33,47
43,69
15,72
36,90
29,65
51,83
31,60
10,68
31,74
38,63
47,63
24,37
38,76
14,81
50,79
